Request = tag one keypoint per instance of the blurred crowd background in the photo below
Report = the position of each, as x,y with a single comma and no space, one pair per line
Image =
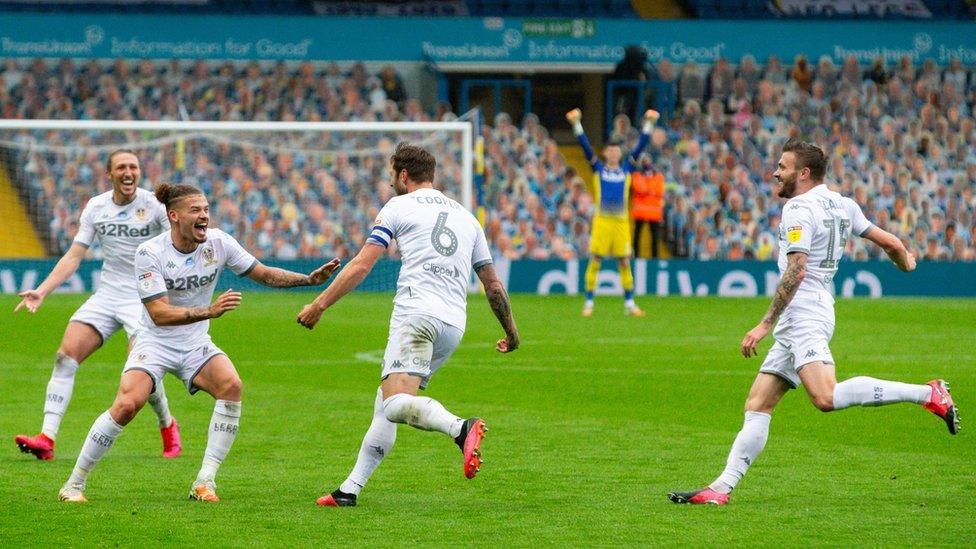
901,141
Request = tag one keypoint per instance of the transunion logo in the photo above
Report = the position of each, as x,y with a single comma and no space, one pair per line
93,36
921,47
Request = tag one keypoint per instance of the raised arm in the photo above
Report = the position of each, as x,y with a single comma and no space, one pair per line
892,245
165,314
796,269
500,305
281,278
65,267
650,118
573,117
350,277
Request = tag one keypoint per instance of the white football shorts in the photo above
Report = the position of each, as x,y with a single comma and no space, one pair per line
419,345
802,336
157,358
106,316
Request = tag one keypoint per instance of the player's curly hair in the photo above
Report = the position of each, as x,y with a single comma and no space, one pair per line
419,163
168,194
807,155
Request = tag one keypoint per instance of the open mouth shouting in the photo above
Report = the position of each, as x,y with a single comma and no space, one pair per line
200,230
127,184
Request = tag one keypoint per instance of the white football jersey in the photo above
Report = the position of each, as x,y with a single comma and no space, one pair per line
120,229
819,222
440,242
188,280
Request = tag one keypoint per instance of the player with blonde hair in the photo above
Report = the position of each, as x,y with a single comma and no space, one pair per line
176,273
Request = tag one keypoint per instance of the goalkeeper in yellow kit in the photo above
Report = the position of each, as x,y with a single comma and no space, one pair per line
610,234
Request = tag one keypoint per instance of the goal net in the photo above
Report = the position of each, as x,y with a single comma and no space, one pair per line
291,193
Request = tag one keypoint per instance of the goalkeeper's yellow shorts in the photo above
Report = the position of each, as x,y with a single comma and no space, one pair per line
610,237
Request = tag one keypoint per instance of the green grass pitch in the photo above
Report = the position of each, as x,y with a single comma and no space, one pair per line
592,422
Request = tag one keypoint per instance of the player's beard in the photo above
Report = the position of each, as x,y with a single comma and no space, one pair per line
198,239
124,189
787,187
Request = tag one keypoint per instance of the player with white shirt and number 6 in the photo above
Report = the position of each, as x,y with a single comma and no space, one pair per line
440,243
176,273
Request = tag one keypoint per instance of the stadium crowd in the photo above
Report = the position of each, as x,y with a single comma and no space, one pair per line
901,140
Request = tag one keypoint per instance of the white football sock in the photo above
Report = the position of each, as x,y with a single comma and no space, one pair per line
100,438
376,445
223,430
423,413
746,448
630,304
58,394
160,405
867,391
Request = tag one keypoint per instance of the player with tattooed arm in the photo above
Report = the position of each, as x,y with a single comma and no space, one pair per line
440,243
813,232
175,275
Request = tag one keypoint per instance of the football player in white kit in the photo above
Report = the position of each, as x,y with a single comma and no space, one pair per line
440,242
121,219
176,273
813,232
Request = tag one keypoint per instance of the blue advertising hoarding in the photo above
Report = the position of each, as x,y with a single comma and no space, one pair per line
651,277
466,40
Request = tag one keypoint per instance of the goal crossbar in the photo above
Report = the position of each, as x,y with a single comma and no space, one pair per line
465,128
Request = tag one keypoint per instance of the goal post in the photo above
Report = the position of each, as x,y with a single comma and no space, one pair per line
54,165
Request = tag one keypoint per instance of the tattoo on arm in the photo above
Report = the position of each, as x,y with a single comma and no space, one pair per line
498,300
500,305
196,314
280,278
788,284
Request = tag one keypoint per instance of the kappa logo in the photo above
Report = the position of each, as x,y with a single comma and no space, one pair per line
143,252
142,357
396,365
171,265
206,349
810,353
379,450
